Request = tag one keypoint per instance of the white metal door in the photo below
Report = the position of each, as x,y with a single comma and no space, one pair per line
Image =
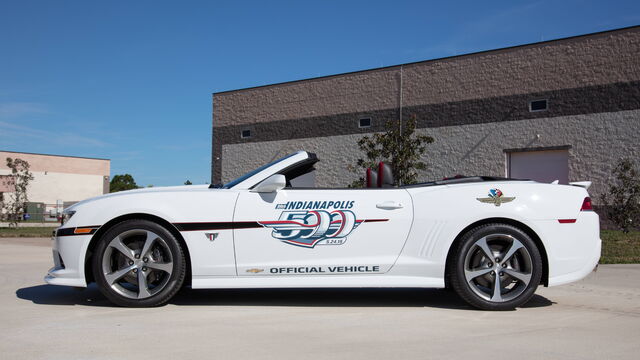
543,166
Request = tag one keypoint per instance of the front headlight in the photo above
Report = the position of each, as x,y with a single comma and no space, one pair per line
66,215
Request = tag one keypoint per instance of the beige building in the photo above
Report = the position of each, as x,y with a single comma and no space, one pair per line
565,110
60,180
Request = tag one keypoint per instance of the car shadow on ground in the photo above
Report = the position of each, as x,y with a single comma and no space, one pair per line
402,297
63,295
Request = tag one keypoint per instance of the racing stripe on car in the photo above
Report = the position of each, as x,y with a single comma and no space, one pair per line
199,226
81,230
230,225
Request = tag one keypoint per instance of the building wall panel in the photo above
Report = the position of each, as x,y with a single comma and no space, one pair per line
53,186
476,149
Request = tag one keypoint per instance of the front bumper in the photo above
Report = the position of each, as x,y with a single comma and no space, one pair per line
69,260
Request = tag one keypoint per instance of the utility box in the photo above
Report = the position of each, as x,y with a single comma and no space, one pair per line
36,211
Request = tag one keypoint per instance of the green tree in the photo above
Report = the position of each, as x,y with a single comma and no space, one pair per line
398,146
188,182
623,198
122,182
16,202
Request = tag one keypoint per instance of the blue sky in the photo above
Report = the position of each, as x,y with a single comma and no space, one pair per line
132,80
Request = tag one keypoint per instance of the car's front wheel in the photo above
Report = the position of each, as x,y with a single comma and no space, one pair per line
138,263
496,267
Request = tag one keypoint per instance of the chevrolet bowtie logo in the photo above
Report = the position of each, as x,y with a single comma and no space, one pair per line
496,198
255,271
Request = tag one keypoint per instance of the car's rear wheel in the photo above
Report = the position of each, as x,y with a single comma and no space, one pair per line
496,267
139,263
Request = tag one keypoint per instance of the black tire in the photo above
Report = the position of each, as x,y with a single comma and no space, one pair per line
473,274
129,278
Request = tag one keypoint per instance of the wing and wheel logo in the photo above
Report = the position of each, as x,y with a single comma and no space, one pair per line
496,197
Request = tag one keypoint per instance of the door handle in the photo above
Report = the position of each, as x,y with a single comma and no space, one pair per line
389,205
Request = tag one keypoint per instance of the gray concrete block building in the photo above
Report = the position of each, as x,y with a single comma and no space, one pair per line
565,109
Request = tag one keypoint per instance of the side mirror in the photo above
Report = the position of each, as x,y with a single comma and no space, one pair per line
271,184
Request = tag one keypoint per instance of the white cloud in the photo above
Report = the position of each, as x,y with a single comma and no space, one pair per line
12,133
14,110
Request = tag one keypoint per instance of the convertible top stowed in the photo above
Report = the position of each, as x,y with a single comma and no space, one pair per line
493,240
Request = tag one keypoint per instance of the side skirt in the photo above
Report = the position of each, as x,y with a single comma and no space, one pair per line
315,281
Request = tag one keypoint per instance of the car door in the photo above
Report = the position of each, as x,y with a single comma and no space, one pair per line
320,231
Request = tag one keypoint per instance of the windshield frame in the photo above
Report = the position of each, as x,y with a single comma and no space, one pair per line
231,184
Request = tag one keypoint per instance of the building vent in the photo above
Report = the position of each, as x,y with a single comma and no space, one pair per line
364,123
538,105
245,134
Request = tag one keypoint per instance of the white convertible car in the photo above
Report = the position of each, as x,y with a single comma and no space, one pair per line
492,240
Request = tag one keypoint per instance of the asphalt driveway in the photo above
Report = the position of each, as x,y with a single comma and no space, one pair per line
596,318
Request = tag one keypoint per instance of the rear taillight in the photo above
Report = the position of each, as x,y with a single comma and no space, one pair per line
586,204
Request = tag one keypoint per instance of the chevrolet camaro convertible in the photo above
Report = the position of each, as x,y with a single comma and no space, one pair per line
492,240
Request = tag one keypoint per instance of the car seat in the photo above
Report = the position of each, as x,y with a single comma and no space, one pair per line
371,178
385,175
383,178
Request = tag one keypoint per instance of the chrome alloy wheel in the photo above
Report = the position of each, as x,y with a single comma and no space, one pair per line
137,264
498,267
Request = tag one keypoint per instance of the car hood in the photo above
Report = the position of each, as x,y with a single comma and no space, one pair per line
167,189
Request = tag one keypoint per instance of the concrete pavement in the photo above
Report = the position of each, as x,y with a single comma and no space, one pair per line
596,318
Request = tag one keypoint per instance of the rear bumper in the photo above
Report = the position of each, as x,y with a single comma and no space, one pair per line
68,259
589,266
573,249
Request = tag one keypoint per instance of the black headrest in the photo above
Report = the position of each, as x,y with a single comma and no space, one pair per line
385,175
371,179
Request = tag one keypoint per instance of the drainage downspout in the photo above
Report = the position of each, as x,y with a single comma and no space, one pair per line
400,120
401,79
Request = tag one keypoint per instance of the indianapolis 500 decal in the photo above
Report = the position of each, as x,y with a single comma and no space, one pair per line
308,228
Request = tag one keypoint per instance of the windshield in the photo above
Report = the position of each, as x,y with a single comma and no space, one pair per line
244,177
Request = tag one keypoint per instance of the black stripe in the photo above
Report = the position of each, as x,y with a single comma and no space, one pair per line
71,231
230,225
65,232
585,100
216,225
246,225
